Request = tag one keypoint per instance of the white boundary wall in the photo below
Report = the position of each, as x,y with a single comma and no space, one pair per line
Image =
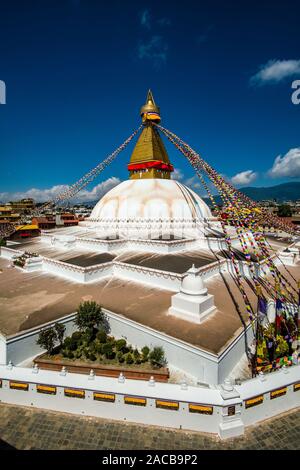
154,277
221,421
202,366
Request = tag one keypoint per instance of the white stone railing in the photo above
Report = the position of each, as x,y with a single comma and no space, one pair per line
77,273
156,277
225,410
161,278
9,253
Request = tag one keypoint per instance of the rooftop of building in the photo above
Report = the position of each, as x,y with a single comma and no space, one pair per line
32,299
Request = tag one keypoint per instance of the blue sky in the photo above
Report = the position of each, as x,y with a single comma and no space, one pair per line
77,72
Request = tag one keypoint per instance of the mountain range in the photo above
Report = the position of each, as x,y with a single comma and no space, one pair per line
280,192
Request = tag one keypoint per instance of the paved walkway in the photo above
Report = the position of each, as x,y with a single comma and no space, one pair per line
28,428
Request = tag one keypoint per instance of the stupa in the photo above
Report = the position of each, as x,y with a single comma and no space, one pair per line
150,204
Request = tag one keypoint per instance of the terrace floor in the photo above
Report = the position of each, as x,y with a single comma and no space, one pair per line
31,299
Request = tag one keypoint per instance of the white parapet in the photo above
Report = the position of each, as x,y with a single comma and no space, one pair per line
33,264
289,256
192,303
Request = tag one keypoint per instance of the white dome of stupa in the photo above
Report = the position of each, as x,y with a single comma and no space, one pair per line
151,200
158,207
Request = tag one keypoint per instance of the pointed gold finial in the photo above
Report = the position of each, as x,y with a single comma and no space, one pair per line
150,112
149,158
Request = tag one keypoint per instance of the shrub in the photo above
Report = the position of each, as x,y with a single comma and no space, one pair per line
129,358
111,340
72,345
60,330
67,342
136,354
76,335
88,335
90,315
121,344
47,339
99,348
108,350
120,357
65,352
102,336
92,357
70,355
145,353
157,357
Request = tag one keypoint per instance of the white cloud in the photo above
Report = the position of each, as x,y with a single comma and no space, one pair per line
190,182
287,165
177,174
145,19
43,195
244,177
275,71
193,182
155,49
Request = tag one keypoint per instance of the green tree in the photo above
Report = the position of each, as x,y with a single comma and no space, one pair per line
129,358
108,350
77,335
2,242
284,211
145,353
120,344
102,336
60,332
47,339
120,357
90,315
157,357
88,335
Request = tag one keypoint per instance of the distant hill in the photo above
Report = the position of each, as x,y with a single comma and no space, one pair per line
280,192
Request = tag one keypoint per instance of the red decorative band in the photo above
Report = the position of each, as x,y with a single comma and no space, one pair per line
153,164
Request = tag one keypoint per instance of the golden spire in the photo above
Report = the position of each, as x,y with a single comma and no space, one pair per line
149,158
150,112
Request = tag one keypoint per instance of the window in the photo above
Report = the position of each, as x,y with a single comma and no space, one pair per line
74,393
167,405
297,387
104,397
135,401
19,386
278,393
254,401
47,389
202,409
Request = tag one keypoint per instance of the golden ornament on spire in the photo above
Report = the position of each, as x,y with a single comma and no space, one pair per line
149,158
150,112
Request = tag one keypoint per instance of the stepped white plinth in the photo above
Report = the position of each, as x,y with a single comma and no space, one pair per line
192,303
